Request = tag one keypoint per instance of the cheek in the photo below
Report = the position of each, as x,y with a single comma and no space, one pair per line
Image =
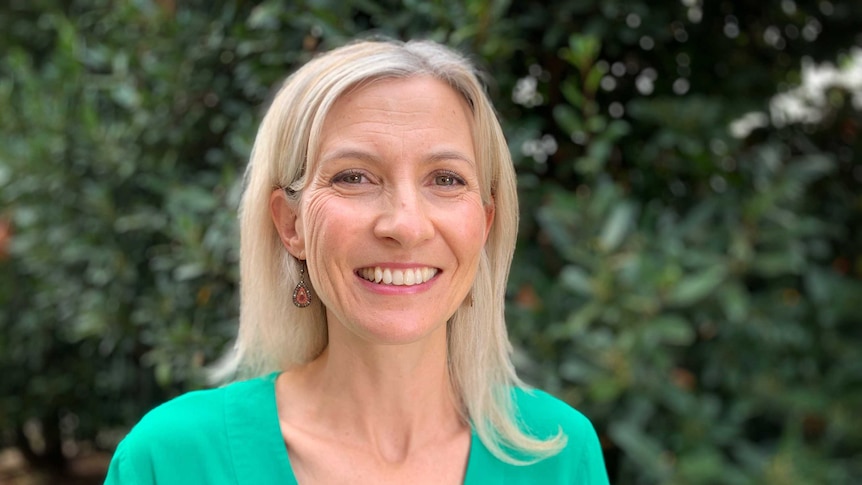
329,222
468,228
328,228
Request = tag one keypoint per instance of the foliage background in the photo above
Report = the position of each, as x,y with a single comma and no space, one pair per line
692,282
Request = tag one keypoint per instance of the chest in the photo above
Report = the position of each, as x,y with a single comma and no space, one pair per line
326,461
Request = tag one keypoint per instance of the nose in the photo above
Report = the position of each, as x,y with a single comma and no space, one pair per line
405,218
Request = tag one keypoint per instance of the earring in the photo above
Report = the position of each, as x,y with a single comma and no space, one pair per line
301,294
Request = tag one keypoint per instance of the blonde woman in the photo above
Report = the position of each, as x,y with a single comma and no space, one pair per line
378,224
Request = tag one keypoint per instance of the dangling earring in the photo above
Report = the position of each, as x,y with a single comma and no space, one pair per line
301,294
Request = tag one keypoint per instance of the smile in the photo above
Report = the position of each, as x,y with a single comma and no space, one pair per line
398,277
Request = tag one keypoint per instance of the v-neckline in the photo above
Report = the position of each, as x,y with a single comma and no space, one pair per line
260,426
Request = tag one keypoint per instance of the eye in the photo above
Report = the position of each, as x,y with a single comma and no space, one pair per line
349,177
447,179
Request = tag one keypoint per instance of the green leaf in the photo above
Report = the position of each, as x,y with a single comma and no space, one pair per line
691,289
808,168
735,302
640,447
577,280
669,329
617,226
606,389
576,370
580,320
594,77
582,52
572,92
189,271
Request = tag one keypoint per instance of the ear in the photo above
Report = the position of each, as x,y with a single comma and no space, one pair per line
287,223
490,210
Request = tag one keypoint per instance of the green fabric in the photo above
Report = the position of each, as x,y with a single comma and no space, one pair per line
231,435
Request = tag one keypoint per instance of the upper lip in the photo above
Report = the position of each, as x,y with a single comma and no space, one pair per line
391,265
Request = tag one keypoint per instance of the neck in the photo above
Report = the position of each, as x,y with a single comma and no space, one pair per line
395,398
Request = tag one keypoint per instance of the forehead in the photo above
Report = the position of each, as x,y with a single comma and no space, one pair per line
419,109
401,95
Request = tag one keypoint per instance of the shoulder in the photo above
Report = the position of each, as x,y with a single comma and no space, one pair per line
545,415
188,422
181,419
194,414
580,460
188,433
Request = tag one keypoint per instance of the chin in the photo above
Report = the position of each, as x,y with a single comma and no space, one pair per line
395,332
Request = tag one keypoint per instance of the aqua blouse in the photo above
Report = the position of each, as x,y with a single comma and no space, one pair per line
231,435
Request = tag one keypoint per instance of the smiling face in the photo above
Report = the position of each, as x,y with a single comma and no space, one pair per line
391,220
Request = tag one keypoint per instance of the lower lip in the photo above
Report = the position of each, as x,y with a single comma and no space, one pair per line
396,289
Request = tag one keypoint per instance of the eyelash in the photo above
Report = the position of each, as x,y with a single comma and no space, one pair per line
456,179
347,174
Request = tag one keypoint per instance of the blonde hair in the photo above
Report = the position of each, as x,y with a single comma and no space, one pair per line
276,335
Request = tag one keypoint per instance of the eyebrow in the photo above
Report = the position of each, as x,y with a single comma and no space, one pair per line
349,153
436,156
450,155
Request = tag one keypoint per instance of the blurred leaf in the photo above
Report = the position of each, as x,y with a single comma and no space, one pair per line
576,279
668,329
582,51
617,226
693,288
641,448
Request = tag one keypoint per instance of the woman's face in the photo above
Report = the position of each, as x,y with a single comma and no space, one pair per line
392,222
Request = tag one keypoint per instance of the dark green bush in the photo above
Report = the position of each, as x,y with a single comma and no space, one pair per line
696,294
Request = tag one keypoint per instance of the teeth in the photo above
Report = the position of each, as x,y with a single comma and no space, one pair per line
398,277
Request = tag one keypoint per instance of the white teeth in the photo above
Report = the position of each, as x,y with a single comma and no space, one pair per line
397,277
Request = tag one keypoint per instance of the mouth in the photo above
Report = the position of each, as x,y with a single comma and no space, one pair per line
398,277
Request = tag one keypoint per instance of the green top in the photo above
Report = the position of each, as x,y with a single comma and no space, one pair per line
231,435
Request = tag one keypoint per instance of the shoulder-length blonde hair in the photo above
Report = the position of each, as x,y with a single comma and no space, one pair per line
276,335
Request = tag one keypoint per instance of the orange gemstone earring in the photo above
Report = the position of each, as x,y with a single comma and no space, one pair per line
301,294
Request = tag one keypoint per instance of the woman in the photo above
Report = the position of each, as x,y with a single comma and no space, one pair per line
378,224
